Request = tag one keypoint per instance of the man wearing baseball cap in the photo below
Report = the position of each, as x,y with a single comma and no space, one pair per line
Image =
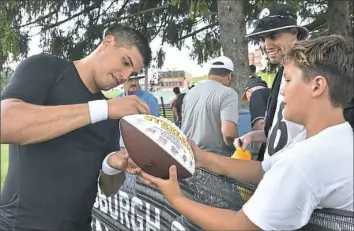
256,93
210,110
276,30
132,87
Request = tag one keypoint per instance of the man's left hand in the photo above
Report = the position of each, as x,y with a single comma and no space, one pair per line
169,188
121,160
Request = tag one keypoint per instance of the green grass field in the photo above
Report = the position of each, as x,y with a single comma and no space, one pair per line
4,162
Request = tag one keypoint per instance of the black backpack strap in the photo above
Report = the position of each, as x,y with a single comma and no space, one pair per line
271,108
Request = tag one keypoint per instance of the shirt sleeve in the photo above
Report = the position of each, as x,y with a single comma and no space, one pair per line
229,107
284,199
154,106
32,80
258,106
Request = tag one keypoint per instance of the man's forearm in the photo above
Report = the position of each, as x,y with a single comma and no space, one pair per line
25,123
242,170
110,185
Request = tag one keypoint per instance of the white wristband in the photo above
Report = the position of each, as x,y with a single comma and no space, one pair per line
98,110
108,169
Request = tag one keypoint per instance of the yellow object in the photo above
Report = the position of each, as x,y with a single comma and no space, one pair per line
242,154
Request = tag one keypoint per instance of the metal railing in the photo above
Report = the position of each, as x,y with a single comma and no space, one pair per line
138,206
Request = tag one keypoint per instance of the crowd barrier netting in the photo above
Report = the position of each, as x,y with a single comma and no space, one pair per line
138,206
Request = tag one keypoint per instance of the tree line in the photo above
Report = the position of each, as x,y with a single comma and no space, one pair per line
72,28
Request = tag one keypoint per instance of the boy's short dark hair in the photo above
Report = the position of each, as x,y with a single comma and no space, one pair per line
127,36
330,57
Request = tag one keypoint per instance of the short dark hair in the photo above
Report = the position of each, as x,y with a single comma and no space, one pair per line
223,72
128,36
328,56
252,68
176,90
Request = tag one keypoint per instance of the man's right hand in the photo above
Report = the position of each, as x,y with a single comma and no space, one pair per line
128,105
245,141
251,137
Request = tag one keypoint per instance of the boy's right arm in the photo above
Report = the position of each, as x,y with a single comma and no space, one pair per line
241,170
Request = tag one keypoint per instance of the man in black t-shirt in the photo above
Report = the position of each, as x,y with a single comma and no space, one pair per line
63,133
256,93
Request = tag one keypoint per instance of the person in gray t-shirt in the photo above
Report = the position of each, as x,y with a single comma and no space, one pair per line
210,110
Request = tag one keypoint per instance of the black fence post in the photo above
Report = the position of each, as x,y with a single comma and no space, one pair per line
163,107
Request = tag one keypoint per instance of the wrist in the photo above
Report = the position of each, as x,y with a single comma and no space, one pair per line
98,110
203,159
107,168
177,200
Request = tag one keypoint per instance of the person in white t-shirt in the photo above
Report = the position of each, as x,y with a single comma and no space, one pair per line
314,170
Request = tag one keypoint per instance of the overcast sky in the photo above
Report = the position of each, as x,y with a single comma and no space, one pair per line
174,59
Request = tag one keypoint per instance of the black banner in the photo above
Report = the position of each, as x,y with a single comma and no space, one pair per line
139,207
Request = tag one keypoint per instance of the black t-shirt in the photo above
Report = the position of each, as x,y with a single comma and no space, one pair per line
53,185
258,104
349,113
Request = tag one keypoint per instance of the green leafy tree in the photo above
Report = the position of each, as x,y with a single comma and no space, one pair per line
73,28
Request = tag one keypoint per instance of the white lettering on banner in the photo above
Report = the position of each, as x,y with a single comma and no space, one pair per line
97,203
99,227
136,202
124,208
113,213
133,212
103,203
176,226
150,225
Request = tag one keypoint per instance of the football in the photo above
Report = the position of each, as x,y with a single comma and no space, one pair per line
155,144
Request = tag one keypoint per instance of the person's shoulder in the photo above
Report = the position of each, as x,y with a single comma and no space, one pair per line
148,94
228,91
261,93
326,147
180,96
43,58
